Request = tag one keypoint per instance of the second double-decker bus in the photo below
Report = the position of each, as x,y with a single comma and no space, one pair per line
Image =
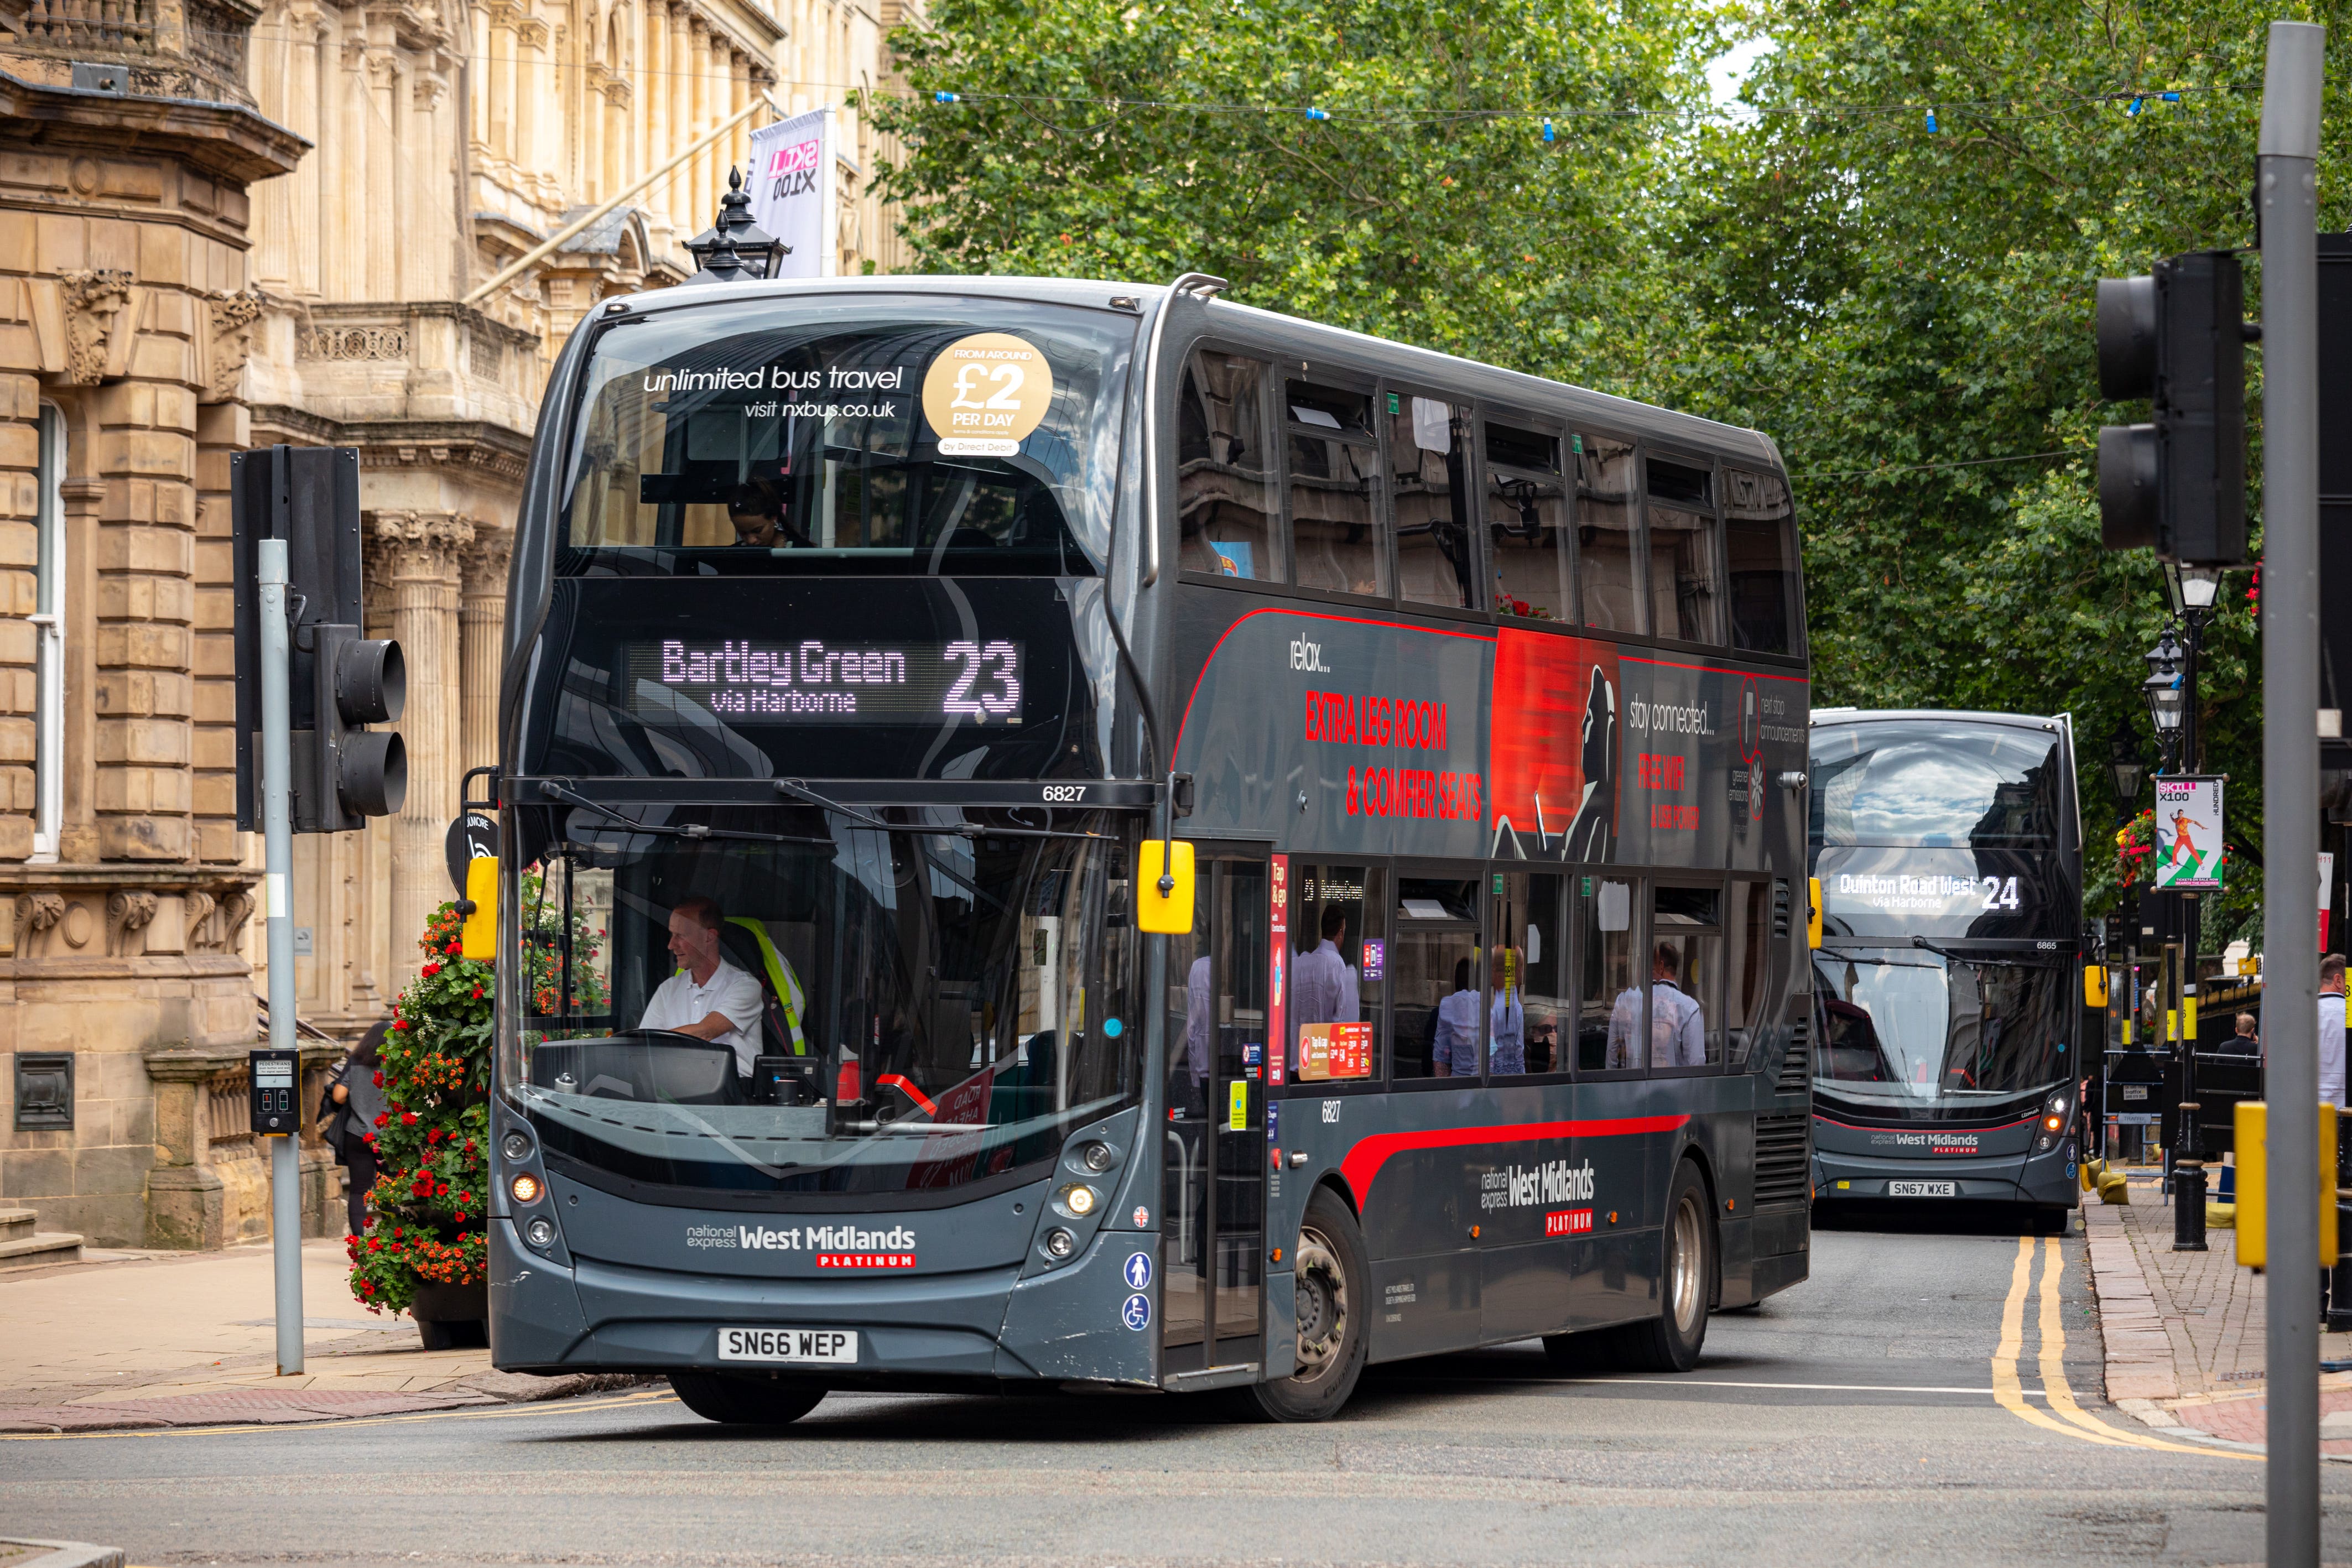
1947,851
865,638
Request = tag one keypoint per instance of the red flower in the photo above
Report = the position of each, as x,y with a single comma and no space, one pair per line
378,1080
430,970
477,992
469,1145
464,1197
409,1118
400,1023
383,1118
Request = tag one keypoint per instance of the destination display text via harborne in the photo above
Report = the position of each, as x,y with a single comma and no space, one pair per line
835,681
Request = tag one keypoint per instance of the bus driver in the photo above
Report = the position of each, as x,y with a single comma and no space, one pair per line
708,998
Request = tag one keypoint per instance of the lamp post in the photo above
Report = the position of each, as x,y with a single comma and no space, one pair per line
2165,699
2126,768
735,249
2171,691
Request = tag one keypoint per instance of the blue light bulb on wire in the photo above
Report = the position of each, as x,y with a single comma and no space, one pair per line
1931,123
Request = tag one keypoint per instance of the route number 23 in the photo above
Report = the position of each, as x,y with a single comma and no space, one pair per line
1999,892
976,659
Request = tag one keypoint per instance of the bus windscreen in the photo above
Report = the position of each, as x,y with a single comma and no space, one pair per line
923,435
1910,1032
1916,783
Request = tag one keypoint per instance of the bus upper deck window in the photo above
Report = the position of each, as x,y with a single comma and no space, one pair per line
1337,523
1759,540
1429,458
1606,563
1527,523
1683,589
1226,508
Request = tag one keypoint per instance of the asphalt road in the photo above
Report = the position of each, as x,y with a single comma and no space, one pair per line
1850,1421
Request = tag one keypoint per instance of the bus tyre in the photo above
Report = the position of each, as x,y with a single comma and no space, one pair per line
1671,1342
744,1401
1333,1292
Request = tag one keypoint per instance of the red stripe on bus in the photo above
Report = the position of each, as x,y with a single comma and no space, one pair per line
1194,694
1364,1161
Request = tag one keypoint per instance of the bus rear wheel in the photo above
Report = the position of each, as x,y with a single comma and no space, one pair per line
1332,1292
743,1401
1671,1340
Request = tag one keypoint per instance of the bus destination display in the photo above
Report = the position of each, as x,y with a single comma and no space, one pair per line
814,681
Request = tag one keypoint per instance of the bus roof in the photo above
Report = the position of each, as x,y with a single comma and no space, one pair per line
1823,716
1595,411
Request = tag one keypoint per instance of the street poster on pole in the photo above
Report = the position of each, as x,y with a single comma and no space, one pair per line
792,181
2187,834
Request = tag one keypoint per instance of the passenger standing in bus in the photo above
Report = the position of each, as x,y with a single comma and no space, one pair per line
1677,1032
1507,1021
1456,1043
1624,1028
1323,984
708,998
1198,1024
2331,1030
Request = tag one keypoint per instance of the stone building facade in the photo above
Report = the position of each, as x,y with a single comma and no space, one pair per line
232,225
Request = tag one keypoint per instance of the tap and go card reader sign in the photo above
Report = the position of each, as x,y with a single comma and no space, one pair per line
276,1077
1328,1050
2187,834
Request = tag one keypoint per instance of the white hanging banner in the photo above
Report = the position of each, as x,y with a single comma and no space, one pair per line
792,179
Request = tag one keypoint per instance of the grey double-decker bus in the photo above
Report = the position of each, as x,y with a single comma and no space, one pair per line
865,638
1947,848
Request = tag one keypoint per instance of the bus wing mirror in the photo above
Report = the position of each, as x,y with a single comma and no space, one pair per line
479,937
1167,913
2094,986
1812,911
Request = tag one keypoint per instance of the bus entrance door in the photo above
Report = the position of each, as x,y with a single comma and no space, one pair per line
1212,1208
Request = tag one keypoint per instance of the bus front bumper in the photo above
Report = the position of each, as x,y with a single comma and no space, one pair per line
2044,1181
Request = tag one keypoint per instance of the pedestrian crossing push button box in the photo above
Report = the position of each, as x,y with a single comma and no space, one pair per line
277,1076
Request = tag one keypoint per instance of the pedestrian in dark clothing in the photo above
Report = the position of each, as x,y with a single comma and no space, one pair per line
2245,1042
354,1099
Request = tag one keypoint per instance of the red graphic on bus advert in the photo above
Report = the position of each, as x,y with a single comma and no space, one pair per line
1554,754
1568,1222
1333,1051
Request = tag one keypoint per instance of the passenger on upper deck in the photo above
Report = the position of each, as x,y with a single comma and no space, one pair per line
756,514
1456,1046
1324,988
708,998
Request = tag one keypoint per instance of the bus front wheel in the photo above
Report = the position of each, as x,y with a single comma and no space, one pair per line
1671,1340
1332,1289
743,1401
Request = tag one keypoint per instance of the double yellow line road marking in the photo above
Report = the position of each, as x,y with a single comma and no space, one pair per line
2064,1416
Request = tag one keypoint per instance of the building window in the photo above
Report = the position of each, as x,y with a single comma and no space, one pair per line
49,632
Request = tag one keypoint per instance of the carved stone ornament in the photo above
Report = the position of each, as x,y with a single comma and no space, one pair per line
227,342
429,543
36,912
199,907
237,907
93,297
127,913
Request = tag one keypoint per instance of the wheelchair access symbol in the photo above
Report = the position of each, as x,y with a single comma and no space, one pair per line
1138,1270
1136,1314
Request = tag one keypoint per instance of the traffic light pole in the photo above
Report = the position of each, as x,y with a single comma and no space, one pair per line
2285,183
277,864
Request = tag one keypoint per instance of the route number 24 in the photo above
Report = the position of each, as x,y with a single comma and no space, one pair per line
1999,892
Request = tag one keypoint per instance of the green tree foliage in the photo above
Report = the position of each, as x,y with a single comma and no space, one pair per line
1892,304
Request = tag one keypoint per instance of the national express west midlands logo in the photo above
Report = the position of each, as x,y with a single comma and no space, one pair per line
832,1245
1532,1187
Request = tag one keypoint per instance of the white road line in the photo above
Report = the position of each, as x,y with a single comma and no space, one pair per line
1809,1387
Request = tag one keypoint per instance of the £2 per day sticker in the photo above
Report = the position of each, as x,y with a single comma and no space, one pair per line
986,393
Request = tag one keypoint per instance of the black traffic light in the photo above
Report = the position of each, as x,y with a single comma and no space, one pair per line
359,773
2178,485
309,498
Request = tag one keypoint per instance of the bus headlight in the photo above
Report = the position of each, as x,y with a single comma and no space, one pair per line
516,1147
525,1188
1096,1157
540,1233
1060,1243
1078,1200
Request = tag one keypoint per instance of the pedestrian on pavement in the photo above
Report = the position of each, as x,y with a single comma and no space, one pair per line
354,1099
2245,1042
2331,1030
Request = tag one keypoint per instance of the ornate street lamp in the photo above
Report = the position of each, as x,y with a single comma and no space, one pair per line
735,249
2127,767
2165,700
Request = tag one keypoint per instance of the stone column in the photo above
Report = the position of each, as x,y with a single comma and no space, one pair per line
481,618
386,235
702,201
679,88
419,554
502,81
653,89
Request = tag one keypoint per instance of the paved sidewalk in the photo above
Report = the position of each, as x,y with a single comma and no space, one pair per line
2184,1331
166,1339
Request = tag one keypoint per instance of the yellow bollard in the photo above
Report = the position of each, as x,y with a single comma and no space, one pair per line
2254,1166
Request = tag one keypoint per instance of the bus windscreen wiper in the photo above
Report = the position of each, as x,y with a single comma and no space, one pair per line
691,830
1948,955
799,791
